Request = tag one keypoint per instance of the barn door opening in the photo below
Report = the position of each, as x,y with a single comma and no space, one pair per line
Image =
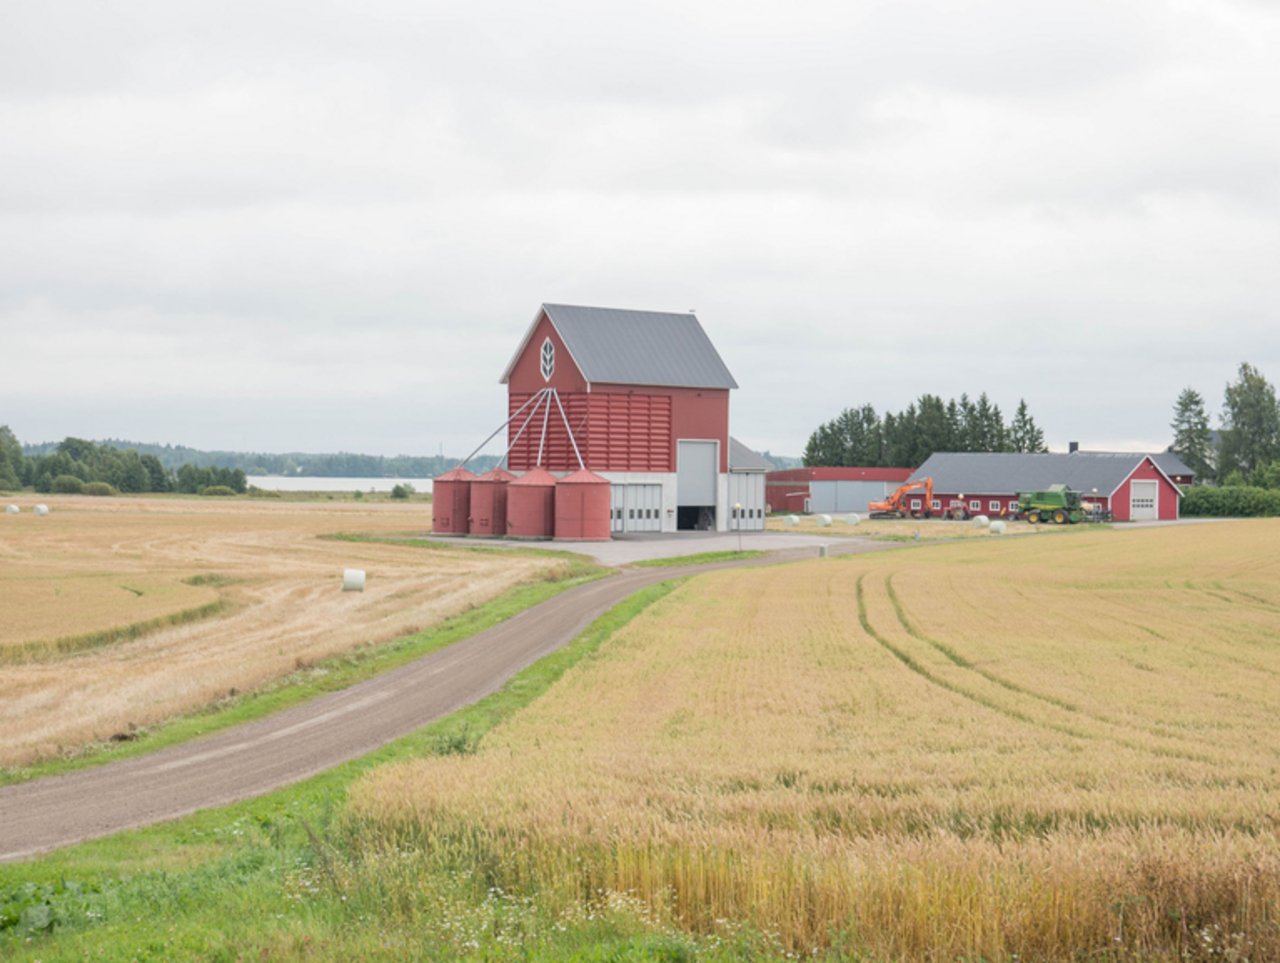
697,467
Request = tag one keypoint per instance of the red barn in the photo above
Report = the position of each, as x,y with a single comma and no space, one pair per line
645,397
1131,485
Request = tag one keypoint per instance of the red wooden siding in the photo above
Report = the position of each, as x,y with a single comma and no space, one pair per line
630,432
696,414
1008,504
617,427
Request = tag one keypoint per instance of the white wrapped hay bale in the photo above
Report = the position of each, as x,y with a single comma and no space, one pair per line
353,580
11,509
981,521
824,521
792,520
853,518
42,509
997,527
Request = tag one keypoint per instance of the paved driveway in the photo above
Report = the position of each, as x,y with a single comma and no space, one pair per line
626,549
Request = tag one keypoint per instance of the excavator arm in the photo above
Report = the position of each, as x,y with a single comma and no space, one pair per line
893,505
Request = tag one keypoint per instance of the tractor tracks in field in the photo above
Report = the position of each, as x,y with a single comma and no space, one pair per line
932,676
970,673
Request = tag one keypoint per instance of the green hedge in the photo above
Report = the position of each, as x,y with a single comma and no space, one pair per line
98,488
1235,501
217,490
66,485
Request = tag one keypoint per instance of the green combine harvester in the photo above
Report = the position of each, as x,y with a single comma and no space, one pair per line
1058,503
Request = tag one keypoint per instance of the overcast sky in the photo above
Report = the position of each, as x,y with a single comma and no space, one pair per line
322,226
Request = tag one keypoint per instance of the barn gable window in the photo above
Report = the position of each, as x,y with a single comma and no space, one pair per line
547,362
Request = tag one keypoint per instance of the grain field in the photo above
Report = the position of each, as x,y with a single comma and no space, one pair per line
1037,748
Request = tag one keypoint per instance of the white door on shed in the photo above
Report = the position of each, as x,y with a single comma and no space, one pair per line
1143,500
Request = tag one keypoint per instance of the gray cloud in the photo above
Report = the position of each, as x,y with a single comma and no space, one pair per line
326,225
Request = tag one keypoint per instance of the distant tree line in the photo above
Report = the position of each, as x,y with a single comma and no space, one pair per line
861,436
337,465
139,467
75,465
1244,451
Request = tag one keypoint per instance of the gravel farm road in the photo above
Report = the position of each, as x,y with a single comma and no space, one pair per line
256,757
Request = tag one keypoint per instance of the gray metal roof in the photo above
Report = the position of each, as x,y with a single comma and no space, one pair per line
996,473
1169,462
615,346
742,458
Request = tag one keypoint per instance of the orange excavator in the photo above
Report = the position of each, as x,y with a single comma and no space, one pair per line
895,506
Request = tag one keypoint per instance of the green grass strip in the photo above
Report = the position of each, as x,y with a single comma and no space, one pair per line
246,880
702,558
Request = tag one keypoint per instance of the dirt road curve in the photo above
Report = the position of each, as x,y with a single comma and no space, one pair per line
263,755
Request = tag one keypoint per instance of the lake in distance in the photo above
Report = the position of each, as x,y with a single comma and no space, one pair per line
310,483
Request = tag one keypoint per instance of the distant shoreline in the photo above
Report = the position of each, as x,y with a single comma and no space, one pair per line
324,483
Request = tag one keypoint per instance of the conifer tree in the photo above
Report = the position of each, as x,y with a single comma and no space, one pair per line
1192,441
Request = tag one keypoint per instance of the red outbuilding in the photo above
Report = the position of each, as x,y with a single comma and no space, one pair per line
1130,485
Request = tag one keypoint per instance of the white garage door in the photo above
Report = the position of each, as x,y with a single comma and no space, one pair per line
637,508
746,501
1142,500
697,464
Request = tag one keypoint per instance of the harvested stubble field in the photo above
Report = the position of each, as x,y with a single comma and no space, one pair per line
1025,748
116,614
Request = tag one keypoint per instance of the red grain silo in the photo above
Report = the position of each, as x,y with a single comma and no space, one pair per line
583,501
451,502
489,503
531,505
